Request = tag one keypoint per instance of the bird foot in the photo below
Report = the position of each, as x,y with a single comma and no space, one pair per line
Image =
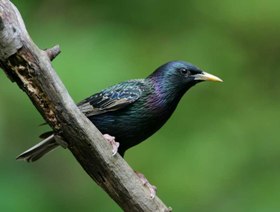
115,145
152,188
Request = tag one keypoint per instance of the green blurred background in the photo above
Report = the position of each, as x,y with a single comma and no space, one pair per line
219,152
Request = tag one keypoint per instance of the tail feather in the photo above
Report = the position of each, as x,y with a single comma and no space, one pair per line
39,150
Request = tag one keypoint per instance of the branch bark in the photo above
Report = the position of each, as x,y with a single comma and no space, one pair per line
30,67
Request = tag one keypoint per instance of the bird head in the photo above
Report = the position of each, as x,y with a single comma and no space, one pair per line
181,75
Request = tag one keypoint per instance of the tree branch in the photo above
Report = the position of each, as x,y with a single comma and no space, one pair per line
30,67
53,52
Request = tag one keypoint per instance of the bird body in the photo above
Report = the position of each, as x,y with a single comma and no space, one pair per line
134,110
135,122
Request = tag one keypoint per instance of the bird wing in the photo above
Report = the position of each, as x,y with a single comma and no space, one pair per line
112,98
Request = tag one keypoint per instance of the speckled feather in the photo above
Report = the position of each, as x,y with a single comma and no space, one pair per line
133,110
123,110
112,98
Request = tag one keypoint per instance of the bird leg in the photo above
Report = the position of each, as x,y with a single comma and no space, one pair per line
152,188
115,145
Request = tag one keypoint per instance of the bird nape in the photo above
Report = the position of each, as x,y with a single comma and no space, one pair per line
133,110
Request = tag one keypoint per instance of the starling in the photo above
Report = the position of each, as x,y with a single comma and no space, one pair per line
135,109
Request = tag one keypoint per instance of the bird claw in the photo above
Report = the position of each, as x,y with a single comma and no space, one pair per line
145,182
115,145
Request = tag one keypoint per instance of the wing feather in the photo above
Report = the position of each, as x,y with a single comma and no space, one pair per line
112,98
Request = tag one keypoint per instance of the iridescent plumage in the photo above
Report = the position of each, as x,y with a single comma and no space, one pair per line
133,110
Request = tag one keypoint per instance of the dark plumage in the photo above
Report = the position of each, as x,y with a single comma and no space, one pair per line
133,110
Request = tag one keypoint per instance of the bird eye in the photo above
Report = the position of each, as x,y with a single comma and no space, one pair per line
185,71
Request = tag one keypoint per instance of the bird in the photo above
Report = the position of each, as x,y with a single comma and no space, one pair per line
133,110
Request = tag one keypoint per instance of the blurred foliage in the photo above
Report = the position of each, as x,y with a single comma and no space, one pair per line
219,152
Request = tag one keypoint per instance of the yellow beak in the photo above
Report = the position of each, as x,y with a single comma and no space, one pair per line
207,77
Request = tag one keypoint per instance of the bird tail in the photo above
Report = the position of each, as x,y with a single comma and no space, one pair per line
39,150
